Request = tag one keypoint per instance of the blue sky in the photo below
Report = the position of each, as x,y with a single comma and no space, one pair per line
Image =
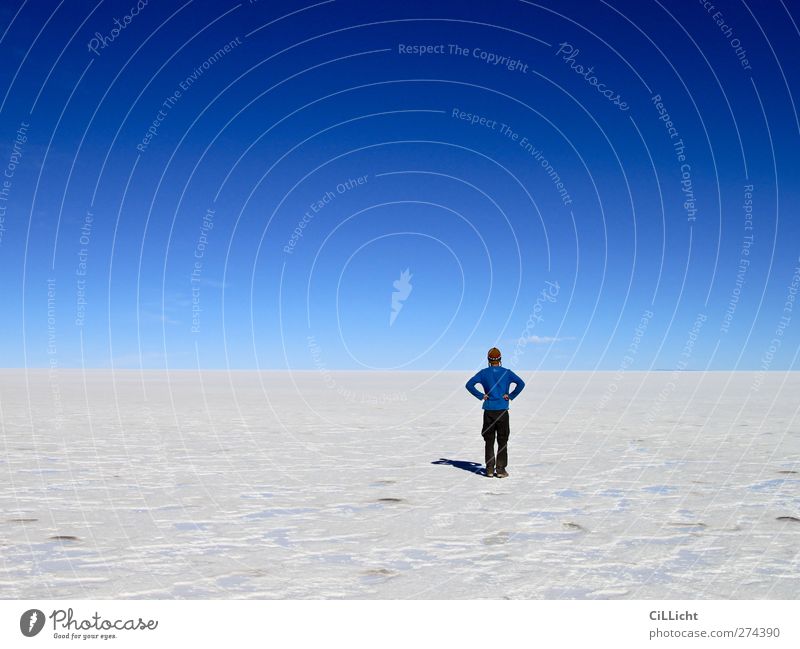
567,181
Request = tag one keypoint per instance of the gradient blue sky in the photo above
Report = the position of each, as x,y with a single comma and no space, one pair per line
311,95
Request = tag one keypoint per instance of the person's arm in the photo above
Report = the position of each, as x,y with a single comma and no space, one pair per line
471,386
518,387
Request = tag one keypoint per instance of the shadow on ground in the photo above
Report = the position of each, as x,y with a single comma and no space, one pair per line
472,467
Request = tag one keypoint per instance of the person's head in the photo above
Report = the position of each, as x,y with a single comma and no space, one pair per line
494,357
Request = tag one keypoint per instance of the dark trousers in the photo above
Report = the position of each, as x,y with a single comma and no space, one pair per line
495,424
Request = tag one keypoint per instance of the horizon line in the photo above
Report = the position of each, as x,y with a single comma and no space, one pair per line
382,371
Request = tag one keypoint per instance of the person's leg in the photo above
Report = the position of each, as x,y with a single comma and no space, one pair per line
503,430
488,438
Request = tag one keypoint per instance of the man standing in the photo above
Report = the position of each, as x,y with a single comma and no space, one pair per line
495,381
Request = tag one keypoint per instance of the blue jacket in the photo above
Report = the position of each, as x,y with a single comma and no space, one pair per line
495,381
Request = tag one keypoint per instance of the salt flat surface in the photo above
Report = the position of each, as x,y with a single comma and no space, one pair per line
360,485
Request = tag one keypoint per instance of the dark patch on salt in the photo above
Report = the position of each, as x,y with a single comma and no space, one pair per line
379,572
574,526
390,500
688,524
787,471
22,520
793,519
64,537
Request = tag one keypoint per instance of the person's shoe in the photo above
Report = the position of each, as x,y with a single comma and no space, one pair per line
489,473
502,473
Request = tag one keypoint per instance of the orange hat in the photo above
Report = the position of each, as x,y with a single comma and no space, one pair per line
494,355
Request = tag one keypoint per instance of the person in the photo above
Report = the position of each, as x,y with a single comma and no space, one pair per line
495,381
